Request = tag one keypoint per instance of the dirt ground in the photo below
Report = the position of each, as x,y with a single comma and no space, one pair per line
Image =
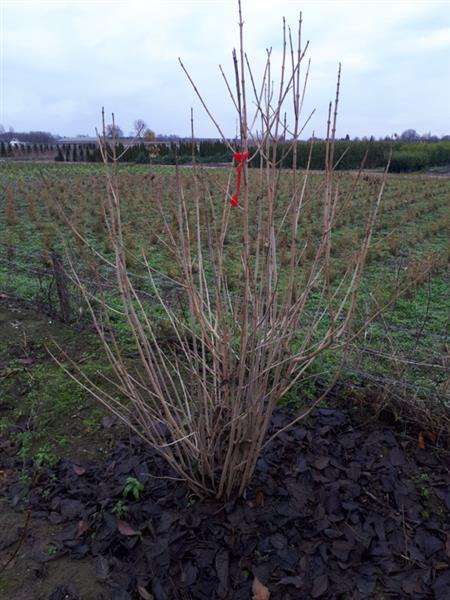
24,542
341,506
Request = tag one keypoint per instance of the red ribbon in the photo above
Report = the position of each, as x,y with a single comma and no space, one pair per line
241,157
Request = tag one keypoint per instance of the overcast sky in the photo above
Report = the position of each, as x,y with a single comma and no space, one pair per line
61,61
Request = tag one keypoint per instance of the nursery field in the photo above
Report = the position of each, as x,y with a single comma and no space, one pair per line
65,463
402,349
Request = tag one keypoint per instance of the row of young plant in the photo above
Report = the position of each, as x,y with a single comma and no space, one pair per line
407,249
418,202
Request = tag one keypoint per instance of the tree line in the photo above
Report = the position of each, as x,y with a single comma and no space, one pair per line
348,155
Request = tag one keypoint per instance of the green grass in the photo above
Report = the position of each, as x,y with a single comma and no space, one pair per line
410,234
54,415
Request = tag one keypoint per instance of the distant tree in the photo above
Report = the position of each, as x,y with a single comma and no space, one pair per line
2,129
139,128
409,135
149,135
113,131
168,138
428,137
33,137
37,137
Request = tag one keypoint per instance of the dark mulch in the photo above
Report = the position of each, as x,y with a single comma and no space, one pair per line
334,511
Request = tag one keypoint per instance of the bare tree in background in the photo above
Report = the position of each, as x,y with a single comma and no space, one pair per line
113,131
139,128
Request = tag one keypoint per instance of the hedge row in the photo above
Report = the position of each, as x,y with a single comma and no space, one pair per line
406,157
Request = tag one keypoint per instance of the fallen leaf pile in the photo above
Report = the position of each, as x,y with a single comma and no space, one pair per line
334,510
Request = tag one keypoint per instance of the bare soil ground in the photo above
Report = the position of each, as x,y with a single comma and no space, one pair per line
341,506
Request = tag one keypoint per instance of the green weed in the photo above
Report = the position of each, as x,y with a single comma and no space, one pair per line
120,509
133,487
45,457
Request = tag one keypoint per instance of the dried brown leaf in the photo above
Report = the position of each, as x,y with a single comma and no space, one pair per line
82,527
260,592
78,470
26,361
421,441
125,528
259,499
144,594
431,436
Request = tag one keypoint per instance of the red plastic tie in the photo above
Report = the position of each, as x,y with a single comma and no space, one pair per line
241,157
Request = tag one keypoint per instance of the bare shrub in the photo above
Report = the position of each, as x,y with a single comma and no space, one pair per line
240,338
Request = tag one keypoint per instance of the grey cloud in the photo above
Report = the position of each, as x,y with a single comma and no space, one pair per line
61,61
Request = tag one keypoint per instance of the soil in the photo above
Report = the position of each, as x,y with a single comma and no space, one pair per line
341,506
26,578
